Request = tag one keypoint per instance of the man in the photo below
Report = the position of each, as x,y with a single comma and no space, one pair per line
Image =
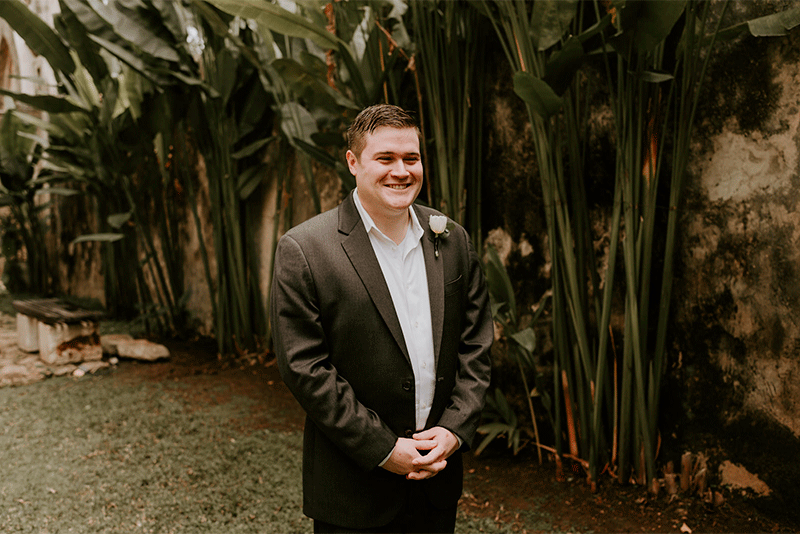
382,330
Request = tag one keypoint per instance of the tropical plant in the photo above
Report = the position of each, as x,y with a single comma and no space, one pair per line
21,189
608,407
101,140
318,69
544,63
662,51
450,55
500,421
520,342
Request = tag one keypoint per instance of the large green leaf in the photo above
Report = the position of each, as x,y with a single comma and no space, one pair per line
171,19
135,30
541,97
126,57
273,17
550,20
297,121
645,24
37,35
776,24
498,282
106,238
116,220
563,64
250,179
48,126
316,152
526,338
63,191
48,103
75,33
311,89
254,147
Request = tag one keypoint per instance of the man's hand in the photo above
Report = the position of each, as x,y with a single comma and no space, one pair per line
446,443
401,461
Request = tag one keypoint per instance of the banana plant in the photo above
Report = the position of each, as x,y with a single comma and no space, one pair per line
96,140
321,69
22,190
450,56
521,345
545,60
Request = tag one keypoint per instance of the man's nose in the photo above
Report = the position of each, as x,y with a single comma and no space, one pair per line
399,169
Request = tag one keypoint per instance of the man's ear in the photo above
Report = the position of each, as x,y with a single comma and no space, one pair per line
351,161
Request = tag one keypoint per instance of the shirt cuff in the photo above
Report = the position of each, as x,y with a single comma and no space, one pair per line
387,457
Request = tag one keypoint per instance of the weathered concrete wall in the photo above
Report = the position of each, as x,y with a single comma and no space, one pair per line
735,326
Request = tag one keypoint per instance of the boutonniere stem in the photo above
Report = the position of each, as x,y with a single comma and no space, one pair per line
438,225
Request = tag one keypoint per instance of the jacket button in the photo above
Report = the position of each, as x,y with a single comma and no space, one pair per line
409,433
407,385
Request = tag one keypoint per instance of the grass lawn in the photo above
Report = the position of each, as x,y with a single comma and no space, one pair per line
92,455
116,454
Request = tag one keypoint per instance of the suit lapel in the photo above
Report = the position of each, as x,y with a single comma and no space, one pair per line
434,267
359,250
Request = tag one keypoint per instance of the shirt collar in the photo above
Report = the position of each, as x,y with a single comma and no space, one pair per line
369,224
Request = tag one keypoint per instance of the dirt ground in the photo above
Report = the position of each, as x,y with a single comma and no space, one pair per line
498,485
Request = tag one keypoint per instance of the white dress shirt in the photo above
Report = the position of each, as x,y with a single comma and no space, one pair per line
403,269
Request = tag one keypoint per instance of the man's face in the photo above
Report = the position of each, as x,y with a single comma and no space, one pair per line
388,172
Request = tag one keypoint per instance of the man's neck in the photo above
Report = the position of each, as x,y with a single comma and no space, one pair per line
395,227
392,224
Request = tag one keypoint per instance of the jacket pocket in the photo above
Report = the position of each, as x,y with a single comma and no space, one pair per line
454,286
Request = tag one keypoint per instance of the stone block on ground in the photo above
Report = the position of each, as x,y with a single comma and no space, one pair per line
17,375
27,333
90,367
77,352
141,349
63,370
109,342
54,336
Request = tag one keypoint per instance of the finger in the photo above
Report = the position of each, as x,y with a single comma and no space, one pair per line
425,434
434,466
420,475
432,457
425,444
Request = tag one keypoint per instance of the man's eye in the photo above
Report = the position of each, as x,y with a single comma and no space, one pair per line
412,160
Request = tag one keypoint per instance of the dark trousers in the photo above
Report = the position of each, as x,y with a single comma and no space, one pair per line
417,515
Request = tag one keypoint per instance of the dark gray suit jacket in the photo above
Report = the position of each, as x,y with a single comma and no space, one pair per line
341,352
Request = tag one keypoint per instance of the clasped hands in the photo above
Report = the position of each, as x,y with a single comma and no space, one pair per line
407,460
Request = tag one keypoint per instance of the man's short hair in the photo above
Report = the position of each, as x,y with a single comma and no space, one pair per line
372,118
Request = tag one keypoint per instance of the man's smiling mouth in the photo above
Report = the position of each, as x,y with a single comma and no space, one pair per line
397,186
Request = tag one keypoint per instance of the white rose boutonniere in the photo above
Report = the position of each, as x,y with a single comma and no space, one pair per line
438,224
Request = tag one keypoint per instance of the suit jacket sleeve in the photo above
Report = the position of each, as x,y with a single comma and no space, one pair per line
462,415
303,359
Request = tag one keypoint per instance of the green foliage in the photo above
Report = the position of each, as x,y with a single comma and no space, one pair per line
520,347
37,35
101,144
502,422
654,94
450,63
25,228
